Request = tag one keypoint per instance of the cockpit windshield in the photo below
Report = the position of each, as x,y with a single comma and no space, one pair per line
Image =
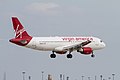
101,41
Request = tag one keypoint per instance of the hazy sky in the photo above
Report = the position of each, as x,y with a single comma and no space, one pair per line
99,18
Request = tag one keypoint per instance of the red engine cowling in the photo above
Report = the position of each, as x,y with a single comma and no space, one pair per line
60,52
86,50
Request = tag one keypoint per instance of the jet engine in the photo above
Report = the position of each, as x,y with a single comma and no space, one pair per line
85,50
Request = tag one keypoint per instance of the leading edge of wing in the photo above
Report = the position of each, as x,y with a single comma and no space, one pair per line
72,46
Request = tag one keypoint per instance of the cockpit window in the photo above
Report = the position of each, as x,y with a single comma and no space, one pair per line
101,41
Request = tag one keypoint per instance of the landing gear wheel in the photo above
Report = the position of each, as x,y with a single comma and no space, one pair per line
52,55
93,55
69,55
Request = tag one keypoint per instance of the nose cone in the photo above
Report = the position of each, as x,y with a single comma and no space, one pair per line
103,45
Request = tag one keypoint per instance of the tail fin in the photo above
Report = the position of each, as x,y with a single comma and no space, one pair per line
19,29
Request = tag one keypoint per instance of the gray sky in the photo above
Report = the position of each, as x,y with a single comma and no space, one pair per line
99,18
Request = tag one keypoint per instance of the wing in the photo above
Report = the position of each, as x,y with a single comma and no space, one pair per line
72,47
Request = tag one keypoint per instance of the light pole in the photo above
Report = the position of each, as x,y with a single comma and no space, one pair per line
4,78
113,76
82,77
60,76
23,75
29,77
88,78
95,77
109,78
101,77
67,78
63,77
42,74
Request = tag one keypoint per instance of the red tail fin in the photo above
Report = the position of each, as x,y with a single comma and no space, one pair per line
19,29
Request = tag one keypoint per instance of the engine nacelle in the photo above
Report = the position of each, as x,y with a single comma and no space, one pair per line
86,50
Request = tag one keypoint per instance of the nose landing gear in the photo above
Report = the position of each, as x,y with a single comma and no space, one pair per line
92,55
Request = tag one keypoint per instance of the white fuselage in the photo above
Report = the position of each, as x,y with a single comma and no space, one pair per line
60,45
50,43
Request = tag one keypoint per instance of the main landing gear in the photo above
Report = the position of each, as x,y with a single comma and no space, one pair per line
53,55
69,55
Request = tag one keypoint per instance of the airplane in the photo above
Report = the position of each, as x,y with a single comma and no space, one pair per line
57,45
